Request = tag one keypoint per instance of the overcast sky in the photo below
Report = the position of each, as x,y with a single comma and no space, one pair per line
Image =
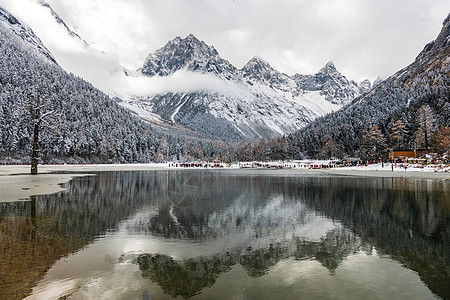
364,38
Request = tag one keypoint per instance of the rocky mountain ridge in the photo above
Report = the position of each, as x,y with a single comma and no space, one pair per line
256,101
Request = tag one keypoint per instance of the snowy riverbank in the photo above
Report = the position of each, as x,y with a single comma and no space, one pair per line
16,183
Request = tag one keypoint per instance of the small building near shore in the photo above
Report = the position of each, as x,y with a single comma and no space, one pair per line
406,153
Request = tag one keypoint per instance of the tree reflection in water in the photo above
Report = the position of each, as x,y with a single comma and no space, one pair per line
265,219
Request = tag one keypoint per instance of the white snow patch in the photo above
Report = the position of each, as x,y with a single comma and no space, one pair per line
177,110
142,110
316,102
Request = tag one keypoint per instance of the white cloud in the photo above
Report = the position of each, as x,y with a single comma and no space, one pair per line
182,81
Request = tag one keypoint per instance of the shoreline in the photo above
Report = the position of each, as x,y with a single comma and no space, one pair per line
17,184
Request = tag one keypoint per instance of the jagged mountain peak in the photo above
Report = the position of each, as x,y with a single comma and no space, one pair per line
185,53
329,68
192,39
332,84
259,70
257,64
257,60
187,46
192,43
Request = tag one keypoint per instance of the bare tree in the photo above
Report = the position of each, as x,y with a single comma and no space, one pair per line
40,118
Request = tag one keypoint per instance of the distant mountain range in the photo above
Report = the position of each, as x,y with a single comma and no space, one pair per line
218,100
252,102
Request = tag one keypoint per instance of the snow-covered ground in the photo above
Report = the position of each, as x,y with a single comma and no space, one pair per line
323,165
327,164
445,168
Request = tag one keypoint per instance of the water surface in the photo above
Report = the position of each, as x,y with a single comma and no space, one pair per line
229,235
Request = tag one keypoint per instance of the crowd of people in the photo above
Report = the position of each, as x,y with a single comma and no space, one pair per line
385,164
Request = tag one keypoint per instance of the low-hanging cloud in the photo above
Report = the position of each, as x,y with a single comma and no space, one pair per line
182,81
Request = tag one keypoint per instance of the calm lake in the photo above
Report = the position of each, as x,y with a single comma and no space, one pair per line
229,235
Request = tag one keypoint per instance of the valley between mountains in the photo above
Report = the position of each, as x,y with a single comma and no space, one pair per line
186,102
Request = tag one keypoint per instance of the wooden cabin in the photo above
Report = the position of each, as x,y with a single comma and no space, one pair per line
406,153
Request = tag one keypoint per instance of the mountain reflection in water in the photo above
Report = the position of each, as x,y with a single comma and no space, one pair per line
206,223
188,277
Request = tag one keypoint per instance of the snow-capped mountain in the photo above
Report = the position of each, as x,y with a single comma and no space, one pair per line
258,71
200,90
251,102
332,84
92,127
190,54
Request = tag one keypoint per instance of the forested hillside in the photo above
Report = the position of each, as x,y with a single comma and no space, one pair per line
90,127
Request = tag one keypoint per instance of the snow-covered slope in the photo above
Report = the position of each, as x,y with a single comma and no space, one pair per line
26,34
252,102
